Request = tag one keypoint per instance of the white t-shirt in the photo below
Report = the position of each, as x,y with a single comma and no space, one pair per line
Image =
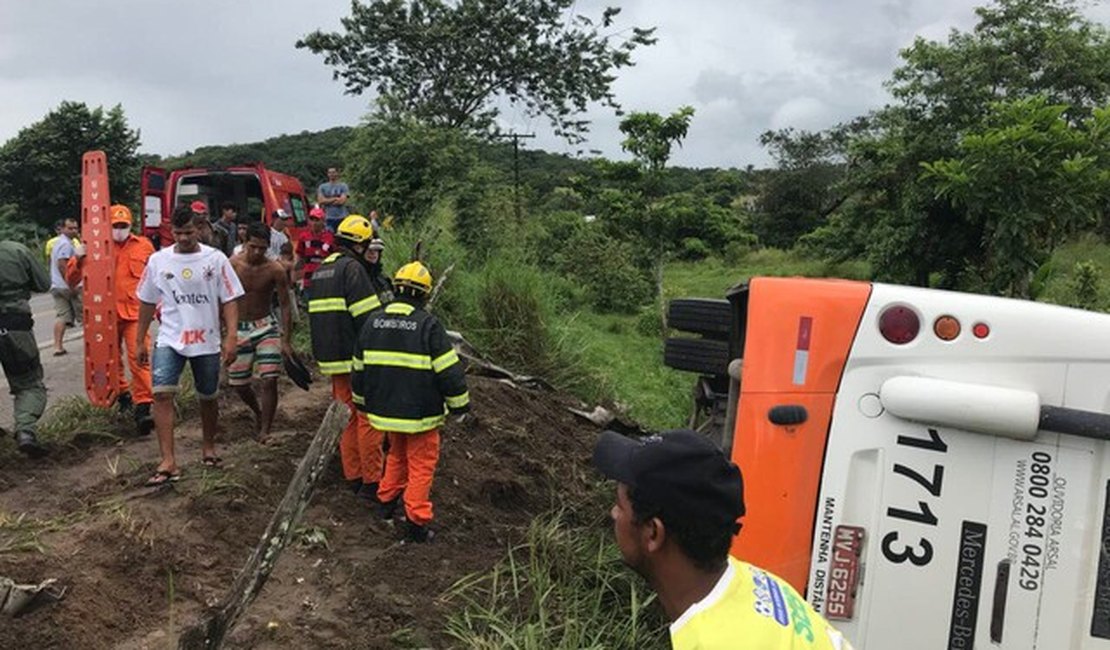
191,288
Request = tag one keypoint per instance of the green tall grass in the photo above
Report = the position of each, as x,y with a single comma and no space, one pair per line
564,588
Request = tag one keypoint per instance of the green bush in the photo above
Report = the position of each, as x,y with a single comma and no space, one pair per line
564,588
694,249
603,266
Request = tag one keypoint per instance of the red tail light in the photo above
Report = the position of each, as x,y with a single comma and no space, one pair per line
899,325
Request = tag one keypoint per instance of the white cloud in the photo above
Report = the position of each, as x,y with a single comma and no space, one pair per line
215,72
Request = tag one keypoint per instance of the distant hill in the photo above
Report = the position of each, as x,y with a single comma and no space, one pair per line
306,155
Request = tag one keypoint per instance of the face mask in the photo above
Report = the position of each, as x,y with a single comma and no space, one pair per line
120,235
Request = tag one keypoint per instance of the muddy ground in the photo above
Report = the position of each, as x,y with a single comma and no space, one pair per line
140,565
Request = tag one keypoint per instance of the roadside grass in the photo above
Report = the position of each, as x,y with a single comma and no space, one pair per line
711,277
563,588
1055,282
627,367
73,419
20,533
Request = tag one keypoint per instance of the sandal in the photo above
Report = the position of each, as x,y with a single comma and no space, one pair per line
162,477
215,462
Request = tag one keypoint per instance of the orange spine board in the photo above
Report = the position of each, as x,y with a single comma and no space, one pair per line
799,334
102,354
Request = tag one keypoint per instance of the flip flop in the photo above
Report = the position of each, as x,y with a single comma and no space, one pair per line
162,477
59,353
215,462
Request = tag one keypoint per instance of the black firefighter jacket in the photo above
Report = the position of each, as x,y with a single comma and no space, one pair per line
339,300
406,371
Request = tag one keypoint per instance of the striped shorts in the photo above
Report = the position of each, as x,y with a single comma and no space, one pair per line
259,352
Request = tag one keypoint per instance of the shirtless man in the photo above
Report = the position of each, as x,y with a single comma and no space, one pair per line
261,343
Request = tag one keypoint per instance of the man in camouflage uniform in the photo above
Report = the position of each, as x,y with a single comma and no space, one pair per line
20,274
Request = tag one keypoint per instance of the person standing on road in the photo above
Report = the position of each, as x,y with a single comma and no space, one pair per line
679,501
67,299
338,301
195,285
407,372
20,274
332,195
262,342
131,255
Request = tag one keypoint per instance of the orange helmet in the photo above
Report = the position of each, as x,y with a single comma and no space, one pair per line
120,214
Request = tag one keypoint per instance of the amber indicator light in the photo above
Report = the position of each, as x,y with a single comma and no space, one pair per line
946,328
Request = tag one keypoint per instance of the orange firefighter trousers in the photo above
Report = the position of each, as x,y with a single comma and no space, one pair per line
409,468
140,375
360,447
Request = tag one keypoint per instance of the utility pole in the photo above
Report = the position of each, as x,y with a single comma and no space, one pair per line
516,137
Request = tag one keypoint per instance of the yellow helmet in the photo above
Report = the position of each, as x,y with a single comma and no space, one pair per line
415,276
355,228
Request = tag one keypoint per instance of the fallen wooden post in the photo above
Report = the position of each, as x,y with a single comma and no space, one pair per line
209,633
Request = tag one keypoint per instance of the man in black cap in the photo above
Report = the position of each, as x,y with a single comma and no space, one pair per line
679,501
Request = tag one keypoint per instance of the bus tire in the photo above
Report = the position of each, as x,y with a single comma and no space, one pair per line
704,356
706,316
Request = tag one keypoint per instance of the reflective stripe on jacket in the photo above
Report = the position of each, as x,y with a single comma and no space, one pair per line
407,375
338,302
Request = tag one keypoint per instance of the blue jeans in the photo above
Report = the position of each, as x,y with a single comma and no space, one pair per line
167,365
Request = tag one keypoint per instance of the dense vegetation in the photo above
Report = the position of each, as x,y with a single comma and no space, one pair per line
989,171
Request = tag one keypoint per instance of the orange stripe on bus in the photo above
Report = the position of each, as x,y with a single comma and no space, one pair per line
798,337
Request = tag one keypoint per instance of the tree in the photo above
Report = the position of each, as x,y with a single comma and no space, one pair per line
1026,182
401,167
40,168
943,91
651,136
447,64
797,197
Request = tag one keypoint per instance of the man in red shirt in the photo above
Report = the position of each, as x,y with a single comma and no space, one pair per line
313,245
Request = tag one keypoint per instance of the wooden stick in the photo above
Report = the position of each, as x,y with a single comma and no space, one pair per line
209,633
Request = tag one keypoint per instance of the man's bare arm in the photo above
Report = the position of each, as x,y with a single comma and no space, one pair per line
281,279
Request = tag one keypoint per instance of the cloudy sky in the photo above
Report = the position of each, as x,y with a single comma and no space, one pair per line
221,71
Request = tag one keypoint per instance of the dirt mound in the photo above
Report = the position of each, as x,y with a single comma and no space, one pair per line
140,566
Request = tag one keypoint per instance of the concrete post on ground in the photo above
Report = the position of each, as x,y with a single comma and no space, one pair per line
209,633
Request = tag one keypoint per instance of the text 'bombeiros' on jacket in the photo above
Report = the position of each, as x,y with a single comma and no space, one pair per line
407,376
339,300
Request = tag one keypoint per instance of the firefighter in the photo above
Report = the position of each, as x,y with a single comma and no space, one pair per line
339,299
408,372
131,255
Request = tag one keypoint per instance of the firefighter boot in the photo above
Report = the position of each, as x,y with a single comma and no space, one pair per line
144,421
388,509
418,534
124,403
368,492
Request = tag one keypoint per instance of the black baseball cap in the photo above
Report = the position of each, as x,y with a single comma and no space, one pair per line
681,471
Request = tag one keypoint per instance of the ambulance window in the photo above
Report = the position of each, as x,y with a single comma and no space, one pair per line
297,204
256,209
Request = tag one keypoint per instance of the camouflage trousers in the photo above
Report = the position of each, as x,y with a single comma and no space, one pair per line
19,356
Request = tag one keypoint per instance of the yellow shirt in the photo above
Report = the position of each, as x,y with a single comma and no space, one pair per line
751,609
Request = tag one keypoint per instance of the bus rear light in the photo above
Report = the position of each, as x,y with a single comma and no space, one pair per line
946,328
899,325
981,330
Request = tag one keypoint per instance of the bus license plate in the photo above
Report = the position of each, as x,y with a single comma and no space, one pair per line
840,602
